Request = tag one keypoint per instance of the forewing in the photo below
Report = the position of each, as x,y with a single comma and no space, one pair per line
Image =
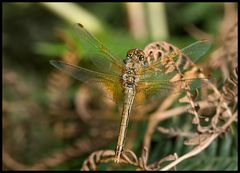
110,83
99,54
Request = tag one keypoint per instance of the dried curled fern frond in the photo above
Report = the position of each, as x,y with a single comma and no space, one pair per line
128,157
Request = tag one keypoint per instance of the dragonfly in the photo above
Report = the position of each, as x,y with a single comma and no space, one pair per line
133,79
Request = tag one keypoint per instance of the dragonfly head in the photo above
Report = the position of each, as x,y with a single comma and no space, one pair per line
135,56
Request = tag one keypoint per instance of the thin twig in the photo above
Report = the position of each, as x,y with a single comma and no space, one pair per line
202,146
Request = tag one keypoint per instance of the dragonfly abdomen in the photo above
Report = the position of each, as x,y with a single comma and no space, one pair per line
129,95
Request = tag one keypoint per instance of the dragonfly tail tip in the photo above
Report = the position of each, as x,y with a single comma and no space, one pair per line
79,24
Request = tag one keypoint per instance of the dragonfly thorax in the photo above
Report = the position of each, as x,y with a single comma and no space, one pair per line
129,80
134,62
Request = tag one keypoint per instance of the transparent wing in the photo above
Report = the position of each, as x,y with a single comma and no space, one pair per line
110,83
100,55
196,50
155,79
182,58
160,89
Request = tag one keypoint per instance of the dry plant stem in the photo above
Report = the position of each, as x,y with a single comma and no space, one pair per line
179,110
197,33
104,156
197,120
160,116
9,162
203,145
129,157
152,124
174,132
219,96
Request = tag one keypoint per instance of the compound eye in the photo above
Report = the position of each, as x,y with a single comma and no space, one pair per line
141,58
130,55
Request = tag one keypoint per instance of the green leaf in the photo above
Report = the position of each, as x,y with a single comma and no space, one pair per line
50,49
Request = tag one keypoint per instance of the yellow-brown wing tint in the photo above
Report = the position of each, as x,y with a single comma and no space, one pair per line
110,83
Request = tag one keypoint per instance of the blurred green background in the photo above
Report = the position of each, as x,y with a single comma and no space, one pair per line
43,125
